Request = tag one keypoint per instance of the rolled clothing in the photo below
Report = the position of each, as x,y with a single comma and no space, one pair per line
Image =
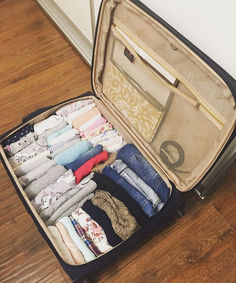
69,108
58,145
60,245
65,146
133,179
92,229
17,135
89,188
75,252
86,252
84,158
136,161
47,212
74,207
124,224
100,216
99,167
142,201
32,164
83,236
72,153
106,184
47,124
42,139
83,119
89,134
103,137
26,154
78,113
45,180
58,133
22,143
54,191
36,173
65,136
86,168
114,144
99,121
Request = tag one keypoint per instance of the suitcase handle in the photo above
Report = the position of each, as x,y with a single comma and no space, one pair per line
35,113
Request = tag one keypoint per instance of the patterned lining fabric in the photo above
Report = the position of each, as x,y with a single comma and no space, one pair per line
132,105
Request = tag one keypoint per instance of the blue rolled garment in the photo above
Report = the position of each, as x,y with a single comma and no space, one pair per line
136,161
58,133
142,201
86,252
72,153
84,157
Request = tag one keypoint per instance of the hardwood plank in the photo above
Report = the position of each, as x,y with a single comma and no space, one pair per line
180,251
55,276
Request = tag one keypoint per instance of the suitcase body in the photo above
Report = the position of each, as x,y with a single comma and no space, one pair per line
141,62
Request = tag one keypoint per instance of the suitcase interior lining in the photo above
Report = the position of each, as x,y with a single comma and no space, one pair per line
183,147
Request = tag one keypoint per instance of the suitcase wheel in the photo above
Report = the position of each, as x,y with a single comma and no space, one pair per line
180,213
85,280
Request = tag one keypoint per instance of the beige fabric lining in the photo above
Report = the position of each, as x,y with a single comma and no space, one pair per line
196,78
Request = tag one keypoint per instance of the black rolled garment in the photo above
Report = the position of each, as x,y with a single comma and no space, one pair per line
106,184
103,220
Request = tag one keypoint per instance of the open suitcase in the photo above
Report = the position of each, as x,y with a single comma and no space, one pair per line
161,94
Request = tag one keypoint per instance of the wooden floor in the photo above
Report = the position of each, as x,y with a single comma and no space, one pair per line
38,67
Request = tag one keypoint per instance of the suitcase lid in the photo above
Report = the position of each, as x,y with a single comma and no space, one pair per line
174,101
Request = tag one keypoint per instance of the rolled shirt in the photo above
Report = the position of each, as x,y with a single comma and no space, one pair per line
32,164
92,229
59,145
88,134
78,113
103,137
65,136
22,143
64,111
80,195
42,138
87,167
36,173
17,135
58,133
72,153
85,118
73,141
54,191
84,158
47,124
26,154
83,236
86,252
74,207
97,122
75,252
61,245
45,180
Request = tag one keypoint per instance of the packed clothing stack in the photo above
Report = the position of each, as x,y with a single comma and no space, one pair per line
91,188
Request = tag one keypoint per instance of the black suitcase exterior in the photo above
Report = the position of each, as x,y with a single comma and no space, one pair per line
175,203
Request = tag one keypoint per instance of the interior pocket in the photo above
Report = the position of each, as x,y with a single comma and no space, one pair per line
130,101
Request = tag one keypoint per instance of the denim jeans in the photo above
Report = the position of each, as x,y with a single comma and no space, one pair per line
133,179
136,161
143,202
84,158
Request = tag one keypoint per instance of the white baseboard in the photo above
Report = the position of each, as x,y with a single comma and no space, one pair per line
74,35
